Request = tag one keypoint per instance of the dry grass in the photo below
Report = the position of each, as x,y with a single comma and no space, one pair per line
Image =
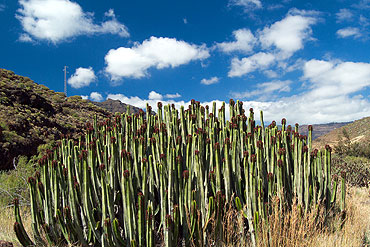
289,231
7,221
294,230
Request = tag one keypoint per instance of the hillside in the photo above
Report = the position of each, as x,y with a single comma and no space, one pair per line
115,106
358,131
32,114
321,129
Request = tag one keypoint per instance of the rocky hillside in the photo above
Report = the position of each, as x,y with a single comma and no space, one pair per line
357,131
32,114
116,106
321,129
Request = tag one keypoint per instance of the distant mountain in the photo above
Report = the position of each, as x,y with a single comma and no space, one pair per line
116,106
321,129
357,131
32,114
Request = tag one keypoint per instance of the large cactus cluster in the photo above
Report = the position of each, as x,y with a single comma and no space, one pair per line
135,180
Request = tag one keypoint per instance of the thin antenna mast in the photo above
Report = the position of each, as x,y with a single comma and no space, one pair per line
65,80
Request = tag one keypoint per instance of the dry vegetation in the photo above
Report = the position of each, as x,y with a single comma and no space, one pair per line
290,230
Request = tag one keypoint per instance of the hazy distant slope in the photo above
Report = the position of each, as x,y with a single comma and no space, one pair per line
116,106
321,129
358,131
31,114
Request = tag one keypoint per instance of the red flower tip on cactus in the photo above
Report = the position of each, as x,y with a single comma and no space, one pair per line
235,126
270,176
188,139
231,102
159,105
192,101
37,175
126,173
217,146
343,174
328,148
196,152
251,110
185,174
202,109
207,107
168,221
249,134
245,154
102,167
199,131
310,128
31,180
113,139
208,141
335,177
152,140
179,159
140,194
273,123
305,149
211,115
16,201
296,125
296,134
260,144
193,117
283,121
223,160
129,119
76,185
163,156
253,158
211,175
280,163
289,128
282,151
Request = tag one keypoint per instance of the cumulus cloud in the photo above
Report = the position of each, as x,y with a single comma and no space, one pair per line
210,81
244,42
84,96
155,96
60,20
246,65
344,15
333,95
348,32
288,34
155,52
278,42
265,90
2,7
173,96
82,77
95,96
247,4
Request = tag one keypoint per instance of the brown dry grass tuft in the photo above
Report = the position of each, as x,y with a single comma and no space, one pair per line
7,220
289,229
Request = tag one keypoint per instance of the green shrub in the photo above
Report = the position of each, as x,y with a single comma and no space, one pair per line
14,183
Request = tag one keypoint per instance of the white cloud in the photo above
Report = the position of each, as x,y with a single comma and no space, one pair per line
84,96
344,15
246,65
60,20
154,52
333,95
288,34
185,21
247,4
333,79
244,42
210,81
265,90
172,96
82,77
155,96
348,32
95,96
270,73
2,7
25,38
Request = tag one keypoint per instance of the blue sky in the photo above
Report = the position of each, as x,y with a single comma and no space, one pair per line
307,61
